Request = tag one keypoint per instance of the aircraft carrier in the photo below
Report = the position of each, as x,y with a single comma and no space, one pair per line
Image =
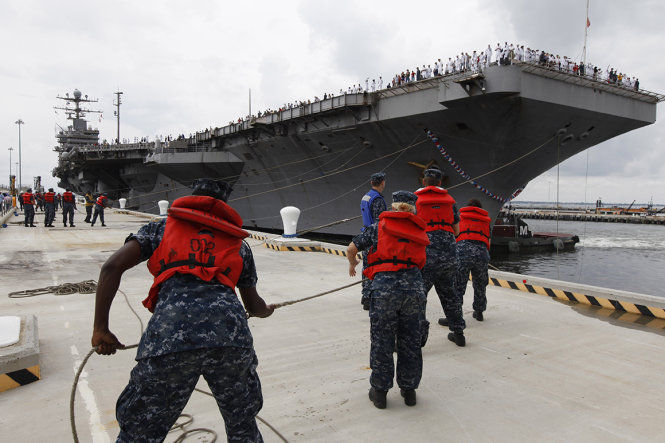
490,132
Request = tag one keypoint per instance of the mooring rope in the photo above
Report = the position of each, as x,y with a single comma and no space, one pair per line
83,287
329,224
292,302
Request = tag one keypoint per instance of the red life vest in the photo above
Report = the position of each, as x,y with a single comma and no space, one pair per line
27,198
101,200
435,206
68,197
474,225
49,197
202,237
401,244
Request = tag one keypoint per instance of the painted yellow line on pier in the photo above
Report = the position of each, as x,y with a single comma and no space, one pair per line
585,299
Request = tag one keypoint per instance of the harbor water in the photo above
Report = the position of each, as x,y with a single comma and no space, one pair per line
630,257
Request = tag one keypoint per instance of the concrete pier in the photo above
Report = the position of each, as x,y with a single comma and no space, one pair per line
538,368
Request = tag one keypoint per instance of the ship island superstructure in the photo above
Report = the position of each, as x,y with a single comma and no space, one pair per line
490,132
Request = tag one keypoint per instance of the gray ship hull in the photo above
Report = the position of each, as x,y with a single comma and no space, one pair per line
500,129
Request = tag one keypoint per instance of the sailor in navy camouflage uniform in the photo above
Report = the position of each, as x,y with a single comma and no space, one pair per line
396,313
442,267
473,254
198,328
371,207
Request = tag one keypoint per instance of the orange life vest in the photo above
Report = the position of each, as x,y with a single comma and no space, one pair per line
101,200
27,198
474,225
68,197
402,242
49,197
202,237
435,206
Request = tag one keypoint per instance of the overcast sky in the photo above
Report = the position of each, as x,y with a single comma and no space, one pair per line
184,66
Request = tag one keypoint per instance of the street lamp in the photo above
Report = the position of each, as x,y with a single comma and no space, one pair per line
19,122
10,160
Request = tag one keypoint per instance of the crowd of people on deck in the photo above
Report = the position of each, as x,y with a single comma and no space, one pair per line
502,54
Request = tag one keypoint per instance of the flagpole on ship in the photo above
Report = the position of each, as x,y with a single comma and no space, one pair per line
586,28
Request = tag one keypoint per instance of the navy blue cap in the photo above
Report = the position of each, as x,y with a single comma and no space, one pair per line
404,197
434,173
218,189
378,177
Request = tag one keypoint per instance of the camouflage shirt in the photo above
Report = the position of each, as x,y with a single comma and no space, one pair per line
192,313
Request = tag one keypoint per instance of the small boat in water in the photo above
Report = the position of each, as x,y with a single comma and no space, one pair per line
511,234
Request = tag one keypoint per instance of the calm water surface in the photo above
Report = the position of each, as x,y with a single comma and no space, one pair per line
630,257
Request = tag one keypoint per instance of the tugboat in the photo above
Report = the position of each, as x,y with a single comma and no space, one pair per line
511,234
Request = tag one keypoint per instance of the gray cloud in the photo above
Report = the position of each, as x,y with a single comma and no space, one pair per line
186,67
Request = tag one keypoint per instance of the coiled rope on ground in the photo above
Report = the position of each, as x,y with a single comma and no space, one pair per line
83,287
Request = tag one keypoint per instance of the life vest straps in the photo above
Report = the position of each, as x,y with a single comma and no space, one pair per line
191,263
394,261
435,223
469,231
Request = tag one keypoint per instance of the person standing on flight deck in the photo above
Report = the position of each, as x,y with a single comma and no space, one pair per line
68,206
396,247
371,206
199,327
437,208
473,244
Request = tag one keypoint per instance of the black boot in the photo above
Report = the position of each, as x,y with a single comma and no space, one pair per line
457,338
443,321
378,398
478,315
409,396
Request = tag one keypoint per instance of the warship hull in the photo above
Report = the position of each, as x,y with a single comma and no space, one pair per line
490,133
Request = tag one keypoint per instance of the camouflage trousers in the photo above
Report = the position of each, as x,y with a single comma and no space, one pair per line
49,213
29,212
442,274
366,293
68,212
395,322
160,387
473,257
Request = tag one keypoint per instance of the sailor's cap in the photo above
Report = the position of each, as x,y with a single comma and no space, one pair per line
434,173
378,177
218,189
404,197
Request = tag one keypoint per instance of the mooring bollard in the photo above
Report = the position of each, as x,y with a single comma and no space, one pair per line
122,202
163,207
290,216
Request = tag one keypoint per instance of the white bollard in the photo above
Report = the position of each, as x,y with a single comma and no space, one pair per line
163,206
290,216
122,202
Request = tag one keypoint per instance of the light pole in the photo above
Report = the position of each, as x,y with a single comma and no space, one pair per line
10,160
19,122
